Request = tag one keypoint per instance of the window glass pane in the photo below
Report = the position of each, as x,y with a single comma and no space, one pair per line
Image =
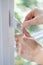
21,8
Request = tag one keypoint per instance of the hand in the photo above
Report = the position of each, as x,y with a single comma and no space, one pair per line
28,48
35,17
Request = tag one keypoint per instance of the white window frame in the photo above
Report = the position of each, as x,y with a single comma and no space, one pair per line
6,33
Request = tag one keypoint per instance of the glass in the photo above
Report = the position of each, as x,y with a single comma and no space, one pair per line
22,7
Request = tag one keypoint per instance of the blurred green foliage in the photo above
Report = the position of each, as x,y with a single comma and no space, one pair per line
22,4
28,3
33,29
17,16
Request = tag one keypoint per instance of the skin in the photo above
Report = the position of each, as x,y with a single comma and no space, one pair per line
27,46
35,17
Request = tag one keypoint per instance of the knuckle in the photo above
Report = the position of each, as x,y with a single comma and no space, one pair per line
36,9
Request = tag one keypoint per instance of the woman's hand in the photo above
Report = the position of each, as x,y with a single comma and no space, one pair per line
31,17
27,48
35,17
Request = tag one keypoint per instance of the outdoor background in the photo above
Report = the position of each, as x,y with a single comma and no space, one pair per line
21,8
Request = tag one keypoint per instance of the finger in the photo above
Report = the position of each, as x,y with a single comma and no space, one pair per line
33,13
26,33
35,21
25,24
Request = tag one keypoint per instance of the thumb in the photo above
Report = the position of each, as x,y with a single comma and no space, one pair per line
27,23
